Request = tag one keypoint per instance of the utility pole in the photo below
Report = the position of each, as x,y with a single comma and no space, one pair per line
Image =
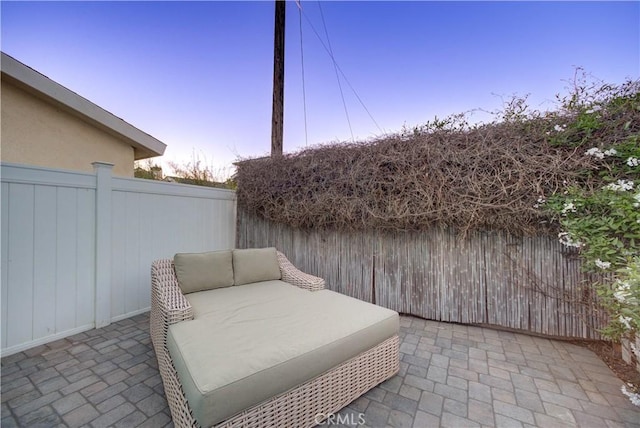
277,117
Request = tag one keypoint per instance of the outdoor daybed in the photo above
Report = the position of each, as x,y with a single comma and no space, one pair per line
243,338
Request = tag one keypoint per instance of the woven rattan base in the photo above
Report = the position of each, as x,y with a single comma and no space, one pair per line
308,404
304,406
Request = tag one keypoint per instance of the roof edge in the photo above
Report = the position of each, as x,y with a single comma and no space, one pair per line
145,146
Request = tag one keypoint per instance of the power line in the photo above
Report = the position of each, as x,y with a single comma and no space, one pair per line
344,104
339,69
304,93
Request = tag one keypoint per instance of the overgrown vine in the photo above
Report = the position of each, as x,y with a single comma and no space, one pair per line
603,222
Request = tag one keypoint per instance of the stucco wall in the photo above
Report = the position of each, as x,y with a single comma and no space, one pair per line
35,132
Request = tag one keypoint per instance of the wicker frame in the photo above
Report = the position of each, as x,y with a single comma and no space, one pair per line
302,406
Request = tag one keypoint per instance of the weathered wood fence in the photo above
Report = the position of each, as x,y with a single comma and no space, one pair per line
525,283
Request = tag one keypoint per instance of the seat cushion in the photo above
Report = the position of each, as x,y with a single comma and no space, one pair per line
259,340
204,271
255,264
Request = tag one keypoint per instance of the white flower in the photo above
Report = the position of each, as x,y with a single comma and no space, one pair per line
637,198
568,207
619,186
625,321
620,296
541,201
633,396
623,285
559,128
595,152
603,265
622,291
565,239
633,161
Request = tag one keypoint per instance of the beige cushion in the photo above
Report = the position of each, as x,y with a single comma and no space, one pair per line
259,340
204,271
254,265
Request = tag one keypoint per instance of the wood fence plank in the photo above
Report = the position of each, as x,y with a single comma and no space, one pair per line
526,283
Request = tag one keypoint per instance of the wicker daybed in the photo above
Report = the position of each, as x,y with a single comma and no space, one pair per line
216,337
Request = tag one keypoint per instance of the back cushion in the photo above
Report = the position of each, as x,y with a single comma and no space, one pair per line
255,264
204,271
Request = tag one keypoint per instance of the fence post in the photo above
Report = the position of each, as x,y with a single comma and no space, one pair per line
103,244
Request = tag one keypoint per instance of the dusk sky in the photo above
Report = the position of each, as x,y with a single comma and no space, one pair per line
198,75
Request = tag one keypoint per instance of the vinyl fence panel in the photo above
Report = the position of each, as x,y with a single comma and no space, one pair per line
47,235
74,257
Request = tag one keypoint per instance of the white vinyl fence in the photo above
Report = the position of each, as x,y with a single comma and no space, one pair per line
77,248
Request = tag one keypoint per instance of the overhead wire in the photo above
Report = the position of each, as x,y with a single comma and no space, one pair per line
344,104
338,67
304,92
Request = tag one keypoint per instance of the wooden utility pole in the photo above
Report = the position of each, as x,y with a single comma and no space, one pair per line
277,117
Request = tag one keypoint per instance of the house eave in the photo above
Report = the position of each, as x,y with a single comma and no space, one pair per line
39,85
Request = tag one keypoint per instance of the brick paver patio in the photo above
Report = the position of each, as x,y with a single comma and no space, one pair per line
450,375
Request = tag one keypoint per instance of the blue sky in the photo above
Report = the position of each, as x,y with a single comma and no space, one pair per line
198,75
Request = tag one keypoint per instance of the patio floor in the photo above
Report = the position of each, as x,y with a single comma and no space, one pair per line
450,375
